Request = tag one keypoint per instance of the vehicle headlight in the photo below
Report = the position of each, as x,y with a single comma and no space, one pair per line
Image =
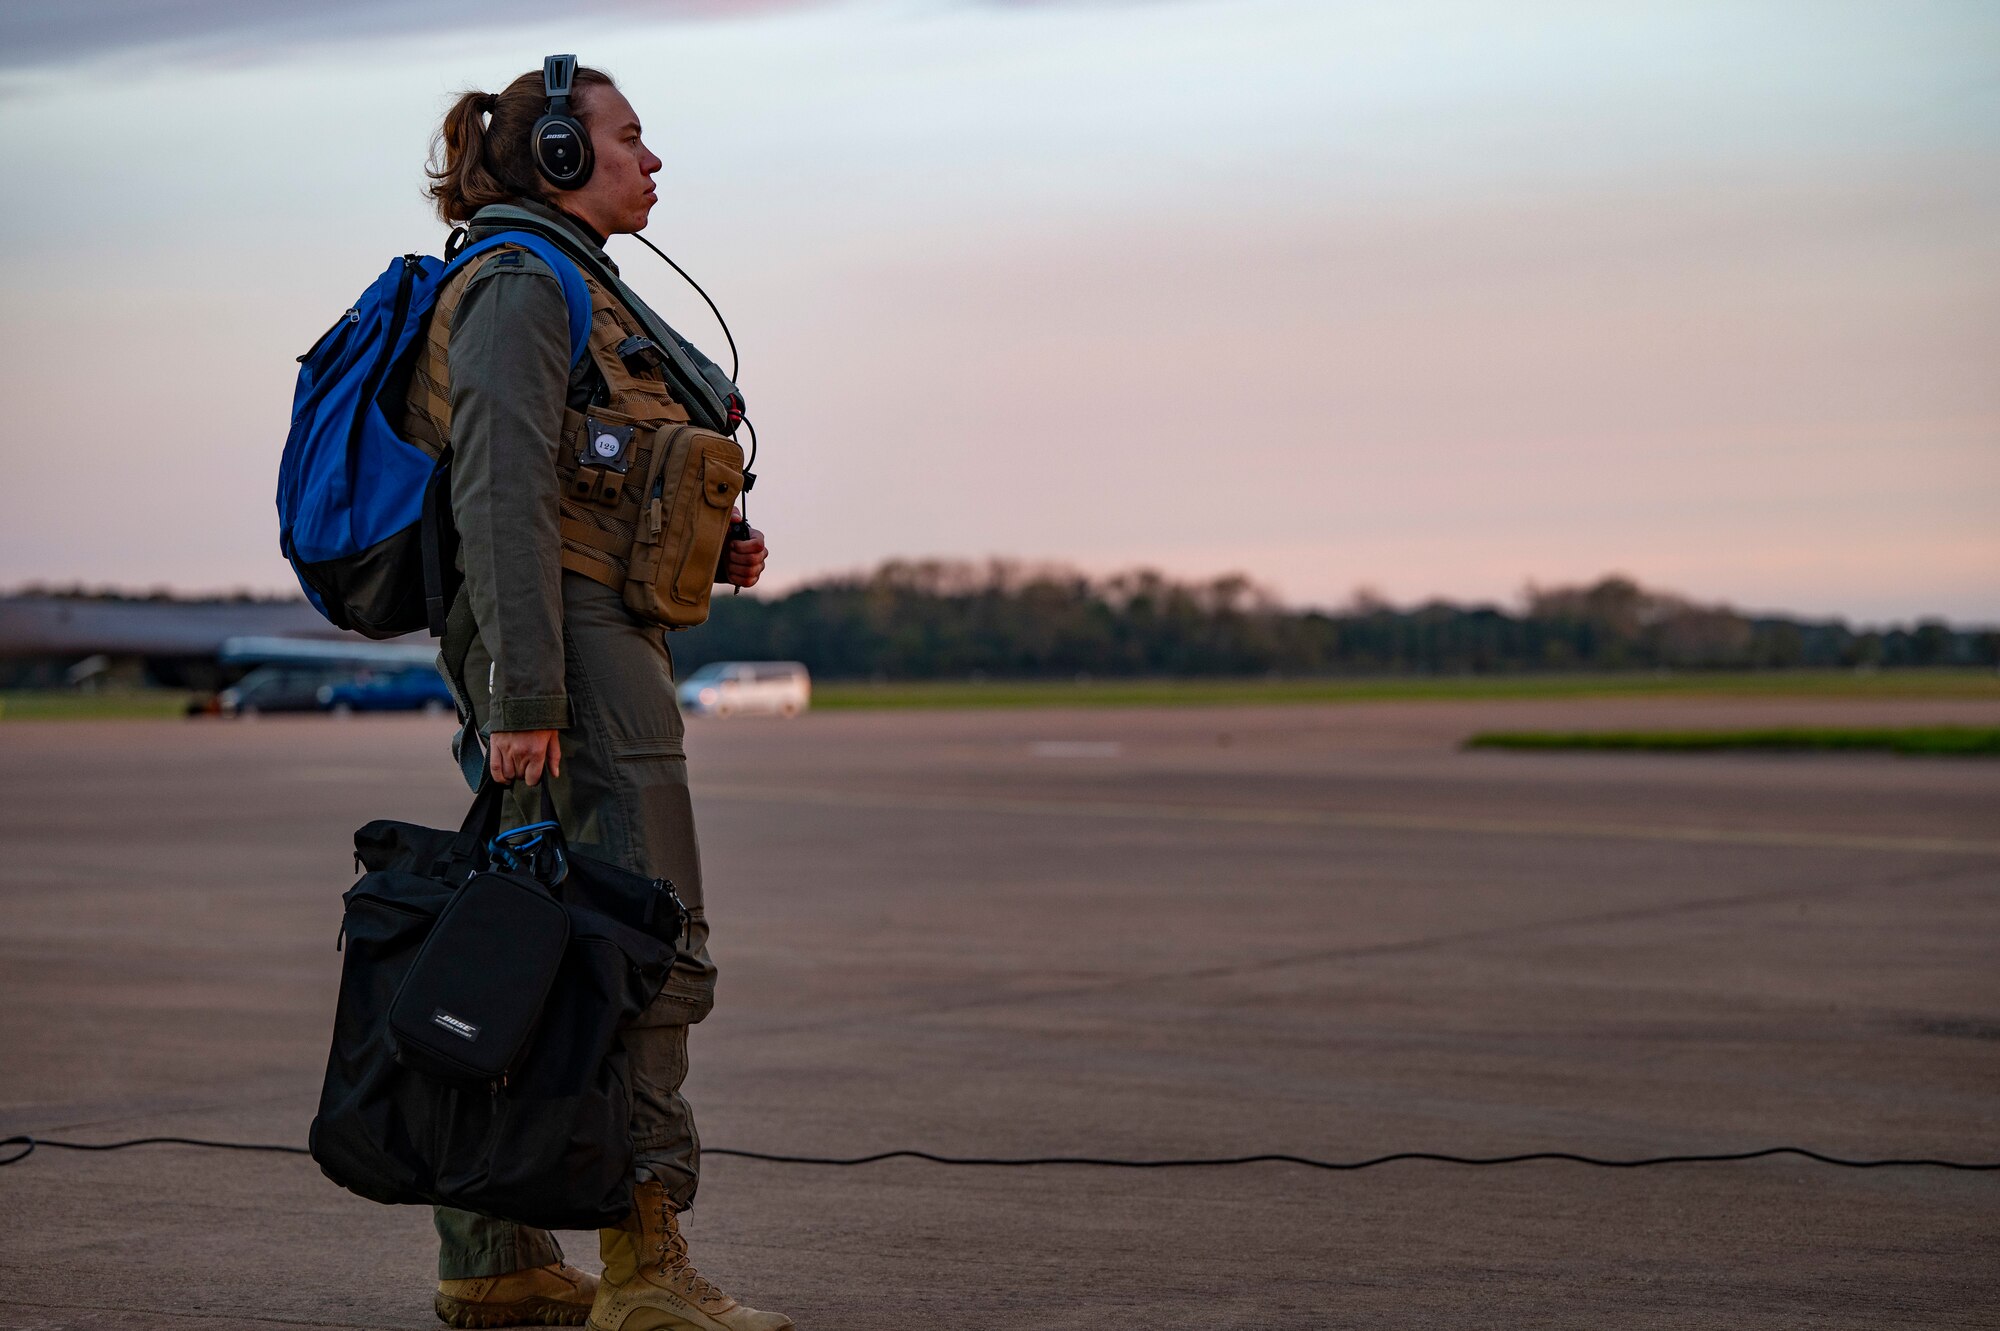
706,695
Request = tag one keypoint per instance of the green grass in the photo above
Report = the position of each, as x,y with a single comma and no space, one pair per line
130,704
111,705
1199,692
1925,741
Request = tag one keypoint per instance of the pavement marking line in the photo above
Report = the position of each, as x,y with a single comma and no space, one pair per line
1378,822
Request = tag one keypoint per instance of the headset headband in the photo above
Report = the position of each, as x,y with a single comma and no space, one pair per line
558,73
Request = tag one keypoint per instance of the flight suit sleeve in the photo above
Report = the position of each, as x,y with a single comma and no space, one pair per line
510,364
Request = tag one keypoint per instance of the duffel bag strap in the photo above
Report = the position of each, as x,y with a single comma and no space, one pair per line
467,851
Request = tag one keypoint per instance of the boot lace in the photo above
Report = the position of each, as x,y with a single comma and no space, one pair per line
673,1256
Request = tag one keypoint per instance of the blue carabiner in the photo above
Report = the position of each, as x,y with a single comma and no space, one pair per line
510,852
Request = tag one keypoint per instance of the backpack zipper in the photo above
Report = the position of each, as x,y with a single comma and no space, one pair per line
353,316
381,367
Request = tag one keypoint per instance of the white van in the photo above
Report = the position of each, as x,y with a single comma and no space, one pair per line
745,688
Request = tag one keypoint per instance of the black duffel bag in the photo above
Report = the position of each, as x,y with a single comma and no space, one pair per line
484,1071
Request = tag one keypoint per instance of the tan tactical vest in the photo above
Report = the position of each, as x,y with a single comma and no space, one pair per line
645,496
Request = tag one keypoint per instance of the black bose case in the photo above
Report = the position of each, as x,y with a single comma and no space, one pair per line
473,995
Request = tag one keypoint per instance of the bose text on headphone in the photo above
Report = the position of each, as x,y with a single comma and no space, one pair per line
561,143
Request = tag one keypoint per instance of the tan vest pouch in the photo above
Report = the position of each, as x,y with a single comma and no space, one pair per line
694,478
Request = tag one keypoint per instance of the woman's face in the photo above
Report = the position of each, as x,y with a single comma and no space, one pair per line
619,194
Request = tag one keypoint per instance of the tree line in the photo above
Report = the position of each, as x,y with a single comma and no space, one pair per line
936,619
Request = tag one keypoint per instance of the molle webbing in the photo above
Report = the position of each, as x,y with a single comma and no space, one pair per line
427,406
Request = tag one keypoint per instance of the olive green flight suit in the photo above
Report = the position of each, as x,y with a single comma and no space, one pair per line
534,647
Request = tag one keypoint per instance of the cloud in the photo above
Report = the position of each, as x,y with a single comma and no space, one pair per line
47,34
41,35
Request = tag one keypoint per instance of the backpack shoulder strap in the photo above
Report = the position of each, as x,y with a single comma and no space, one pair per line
576,295
427,406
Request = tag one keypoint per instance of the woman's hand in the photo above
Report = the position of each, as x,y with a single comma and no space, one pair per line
743,560
524,754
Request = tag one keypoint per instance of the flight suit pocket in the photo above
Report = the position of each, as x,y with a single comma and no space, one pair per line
654,749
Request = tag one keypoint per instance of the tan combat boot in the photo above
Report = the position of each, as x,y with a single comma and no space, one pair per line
649,1284
553,1295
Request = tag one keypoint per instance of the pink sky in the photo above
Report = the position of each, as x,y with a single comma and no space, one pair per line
1439,299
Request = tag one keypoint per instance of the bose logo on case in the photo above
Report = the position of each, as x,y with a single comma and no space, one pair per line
454,1025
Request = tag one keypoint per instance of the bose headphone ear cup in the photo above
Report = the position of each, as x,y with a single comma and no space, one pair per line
562,150
560,142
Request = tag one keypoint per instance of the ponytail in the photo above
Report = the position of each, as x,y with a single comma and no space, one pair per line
482,155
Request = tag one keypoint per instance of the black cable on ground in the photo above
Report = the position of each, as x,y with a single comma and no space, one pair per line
28,1144
1525,1157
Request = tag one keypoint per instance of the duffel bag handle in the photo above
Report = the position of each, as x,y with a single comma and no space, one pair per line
467,851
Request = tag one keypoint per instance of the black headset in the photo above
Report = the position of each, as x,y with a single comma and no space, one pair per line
562,144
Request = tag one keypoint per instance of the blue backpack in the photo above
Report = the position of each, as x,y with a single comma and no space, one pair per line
363,514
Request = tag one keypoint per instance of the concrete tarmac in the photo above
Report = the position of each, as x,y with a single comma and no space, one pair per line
1189,932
